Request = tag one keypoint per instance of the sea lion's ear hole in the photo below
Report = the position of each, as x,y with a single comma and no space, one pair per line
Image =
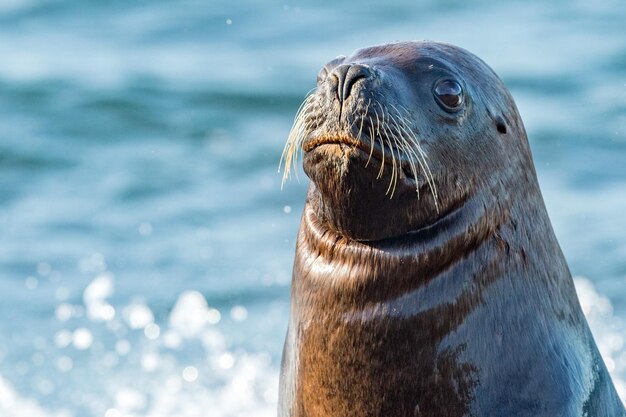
449,95
500,125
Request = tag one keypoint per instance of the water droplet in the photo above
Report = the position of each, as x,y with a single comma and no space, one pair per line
106,312
239,313
138,315
152,331
226,360
213,316
190,374
82,338
64,364
43,268
150,362
64,312
122,347
31,283
62,339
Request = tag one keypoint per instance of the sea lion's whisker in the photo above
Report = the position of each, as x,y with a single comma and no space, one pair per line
399,149
371,141
425,165
292,157
416,153
290,152
408,151
382,145
294,132
405,142
298,151
426,168
393,165
397,162
393,156
394,173
414,157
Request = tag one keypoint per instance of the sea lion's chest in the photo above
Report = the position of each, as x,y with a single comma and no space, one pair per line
437,351
374,362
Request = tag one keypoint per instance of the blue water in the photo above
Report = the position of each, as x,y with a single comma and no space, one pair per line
146,245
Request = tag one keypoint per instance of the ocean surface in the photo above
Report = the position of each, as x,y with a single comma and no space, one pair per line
146,244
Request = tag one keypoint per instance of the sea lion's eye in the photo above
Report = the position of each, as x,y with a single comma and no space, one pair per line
449,95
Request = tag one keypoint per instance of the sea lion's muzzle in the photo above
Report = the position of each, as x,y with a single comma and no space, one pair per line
361,147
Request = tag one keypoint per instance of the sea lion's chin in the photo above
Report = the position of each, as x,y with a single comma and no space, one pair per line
350,198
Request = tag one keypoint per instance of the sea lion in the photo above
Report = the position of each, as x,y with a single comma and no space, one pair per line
427,279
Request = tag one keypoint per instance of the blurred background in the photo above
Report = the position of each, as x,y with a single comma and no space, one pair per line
146,245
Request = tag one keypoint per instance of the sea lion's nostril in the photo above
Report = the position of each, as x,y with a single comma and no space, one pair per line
344,77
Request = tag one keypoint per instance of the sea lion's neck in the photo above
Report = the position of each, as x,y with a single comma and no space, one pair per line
374,271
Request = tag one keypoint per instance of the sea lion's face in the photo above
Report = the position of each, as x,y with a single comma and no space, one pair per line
397,136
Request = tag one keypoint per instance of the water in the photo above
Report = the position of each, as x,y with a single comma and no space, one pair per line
146,245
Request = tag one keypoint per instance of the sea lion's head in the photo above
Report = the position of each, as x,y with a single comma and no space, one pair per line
397,136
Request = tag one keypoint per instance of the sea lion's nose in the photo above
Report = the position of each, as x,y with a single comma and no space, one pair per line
343,78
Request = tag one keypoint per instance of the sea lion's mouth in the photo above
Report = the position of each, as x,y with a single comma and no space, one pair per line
376,149
334,139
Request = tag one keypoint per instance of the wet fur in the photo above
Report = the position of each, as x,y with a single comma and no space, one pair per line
456,303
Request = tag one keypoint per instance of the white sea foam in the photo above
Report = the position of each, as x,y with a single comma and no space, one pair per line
12,404
138,315
608,330
161,379
95,296
189,315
